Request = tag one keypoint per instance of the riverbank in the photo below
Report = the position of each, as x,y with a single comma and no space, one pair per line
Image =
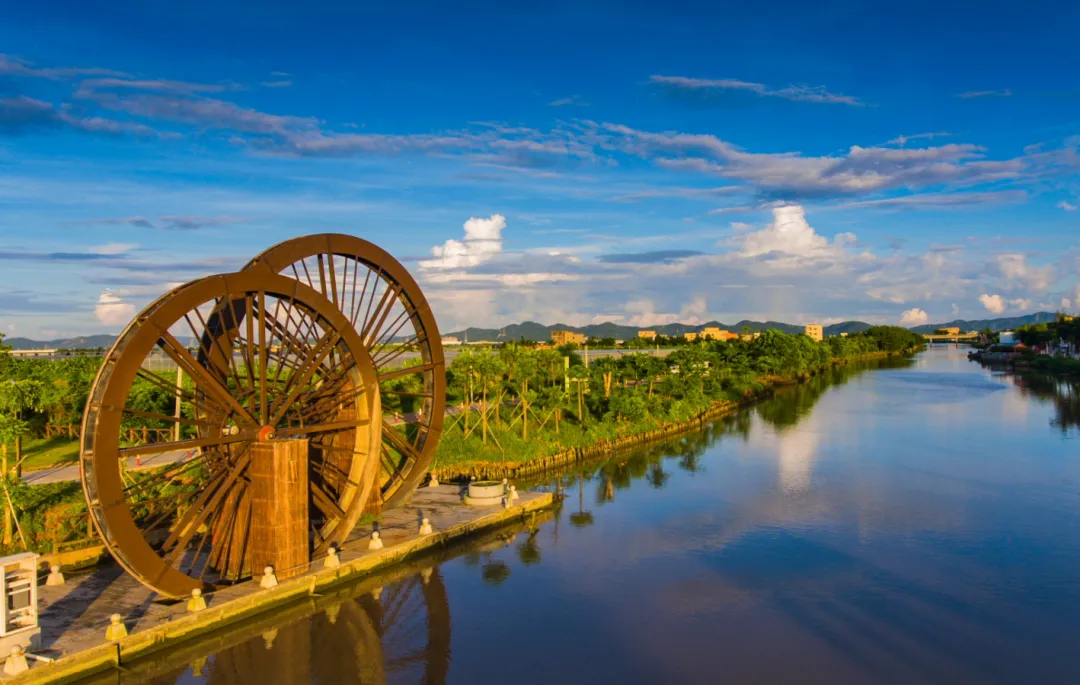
604,447
74,617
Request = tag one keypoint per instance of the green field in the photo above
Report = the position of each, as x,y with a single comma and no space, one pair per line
44,453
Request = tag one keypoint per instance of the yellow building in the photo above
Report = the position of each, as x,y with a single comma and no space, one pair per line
566,338
714,333
648,335
691,337
815,331
951,330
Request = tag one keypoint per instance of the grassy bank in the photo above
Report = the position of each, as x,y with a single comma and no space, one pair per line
510,455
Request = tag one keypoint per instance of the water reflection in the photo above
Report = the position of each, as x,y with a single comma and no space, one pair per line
1063,393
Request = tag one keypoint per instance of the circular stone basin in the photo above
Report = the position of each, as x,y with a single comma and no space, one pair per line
479,489
484,493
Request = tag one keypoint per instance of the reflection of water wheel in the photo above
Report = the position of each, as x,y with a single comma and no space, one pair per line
384,303
273,357
403,637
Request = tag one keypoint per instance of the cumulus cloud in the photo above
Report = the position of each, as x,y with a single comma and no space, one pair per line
1020,303
715,89
995,304
111,310
790,242
1067,206
1014,267
483,241
914,317
642,312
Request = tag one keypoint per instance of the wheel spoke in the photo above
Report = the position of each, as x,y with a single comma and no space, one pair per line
406,371
198,374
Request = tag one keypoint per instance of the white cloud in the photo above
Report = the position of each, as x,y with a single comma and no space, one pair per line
1014,267
1020,303
791,243
112,310
914,317
1067,206
483,241
995,304
814,94
643,313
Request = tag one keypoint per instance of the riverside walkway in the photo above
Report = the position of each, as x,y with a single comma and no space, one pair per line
74,617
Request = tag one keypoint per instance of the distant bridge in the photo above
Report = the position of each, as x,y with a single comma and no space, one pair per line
950,337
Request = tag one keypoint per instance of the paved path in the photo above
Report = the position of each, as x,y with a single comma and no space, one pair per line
70,472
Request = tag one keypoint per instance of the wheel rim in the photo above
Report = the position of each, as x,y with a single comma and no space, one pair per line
387,308
183,526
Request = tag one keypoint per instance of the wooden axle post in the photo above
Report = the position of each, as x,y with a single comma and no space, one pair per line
279,506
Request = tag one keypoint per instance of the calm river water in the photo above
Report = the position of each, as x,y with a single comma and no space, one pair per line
912,522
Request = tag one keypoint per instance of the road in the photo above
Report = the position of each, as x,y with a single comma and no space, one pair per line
70,472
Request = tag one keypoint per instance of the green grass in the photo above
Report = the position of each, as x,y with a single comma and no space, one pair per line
44,453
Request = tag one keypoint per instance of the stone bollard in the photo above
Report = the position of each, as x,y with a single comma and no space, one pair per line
116,629
269,578
332,560
514,493
16,662
55,576
376,541
425,527
197,601
434,482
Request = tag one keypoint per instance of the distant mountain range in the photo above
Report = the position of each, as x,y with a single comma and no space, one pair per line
530,330
1002,324
85,342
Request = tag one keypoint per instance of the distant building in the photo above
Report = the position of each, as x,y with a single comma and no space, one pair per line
690,336
951,330
1007,338
648,335
843,335
815,331
749,336
567,338
714,333
450,340
32,353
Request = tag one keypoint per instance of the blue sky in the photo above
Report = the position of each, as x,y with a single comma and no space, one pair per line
562,162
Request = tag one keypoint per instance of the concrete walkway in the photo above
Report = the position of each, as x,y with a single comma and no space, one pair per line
74,617
70,472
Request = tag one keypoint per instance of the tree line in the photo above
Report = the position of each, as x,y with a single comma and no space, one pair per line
519,402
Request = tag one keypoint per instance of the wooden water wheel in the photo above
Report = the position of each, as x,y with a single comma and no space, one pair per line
396,328
261,356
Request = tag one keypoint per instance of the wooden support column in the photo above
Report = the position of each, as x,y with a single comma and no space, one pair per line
279,507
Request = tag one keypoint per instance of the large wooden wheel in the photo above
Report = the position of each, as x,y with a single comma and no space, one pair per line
263,357
396,328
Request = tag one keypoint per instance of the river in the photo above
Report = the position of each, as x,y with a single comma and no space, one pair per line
914,521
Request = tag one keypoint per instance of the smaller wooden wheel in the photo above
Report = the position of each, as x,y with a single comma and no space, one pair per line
260,356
